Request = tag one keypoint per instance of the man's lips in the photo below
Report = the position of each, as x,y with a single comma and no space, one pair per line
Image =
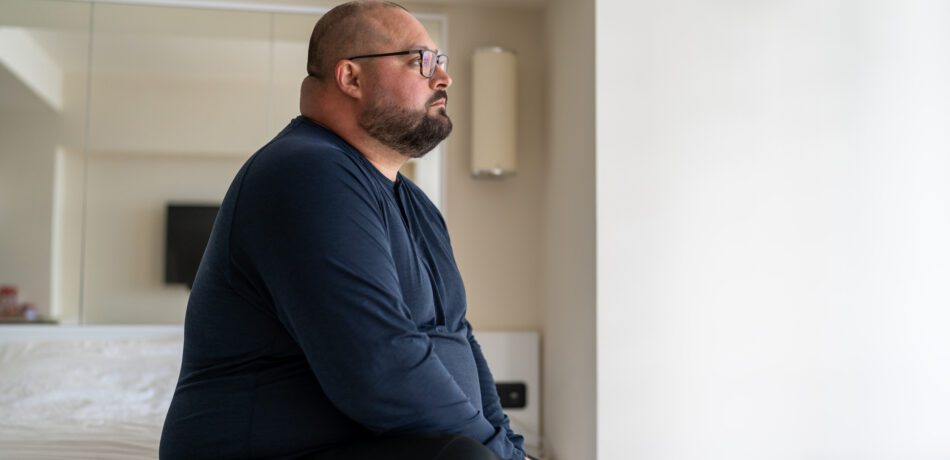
439,99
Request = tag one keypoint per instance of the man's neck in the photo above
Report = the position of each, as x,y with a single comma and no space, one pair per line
385,159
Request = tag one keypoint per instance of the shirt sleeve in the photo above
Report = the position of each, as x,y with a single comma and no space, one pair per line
314,232
491,404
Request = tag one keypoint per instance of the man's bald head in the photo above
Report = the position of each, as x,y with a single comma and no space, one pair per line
345,30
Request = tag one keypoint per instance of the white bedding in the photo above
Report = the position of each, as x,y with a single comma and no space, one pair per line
101,392
90,398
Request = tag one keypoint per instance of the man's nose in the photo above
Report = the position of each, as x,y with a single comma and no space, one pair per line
440,79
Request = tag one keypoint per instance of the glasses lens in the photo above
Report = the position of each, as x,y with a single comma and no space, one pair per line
442,61
428,59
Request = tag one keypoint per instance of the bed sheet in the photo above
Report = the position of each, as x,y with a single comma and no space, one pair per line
102,399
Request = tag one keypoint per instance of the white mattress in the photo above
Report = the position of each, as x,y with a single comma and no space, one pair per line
62,396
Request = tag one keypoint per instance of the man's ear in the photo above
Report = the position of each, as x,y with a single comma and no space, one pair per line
349,78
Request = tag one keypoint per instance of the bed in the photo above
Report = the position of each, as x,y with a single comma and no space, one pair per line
102,391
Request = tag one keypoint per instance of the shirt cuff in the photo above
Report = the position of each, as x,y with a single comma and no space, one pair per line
502,446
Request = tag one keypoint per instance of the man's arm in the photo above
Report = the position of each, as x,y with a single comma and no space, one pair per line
313,232
491,404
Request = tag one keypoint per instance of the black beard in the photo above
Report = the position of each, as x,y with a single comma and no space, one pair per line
409,132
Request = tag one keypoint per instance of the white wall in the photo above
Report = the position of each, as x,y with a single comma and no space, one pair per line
773,184
67,228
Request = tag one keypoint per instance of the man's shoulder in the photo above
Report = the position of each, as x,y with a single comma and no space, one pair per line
305,148
301,170
305,141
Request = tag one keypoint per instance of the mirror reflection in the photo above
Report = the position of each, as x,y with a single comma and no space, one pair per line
44,68
115,115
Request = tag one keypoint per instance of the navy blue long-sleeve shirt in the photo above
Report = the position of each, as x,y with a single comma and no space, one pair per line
327,309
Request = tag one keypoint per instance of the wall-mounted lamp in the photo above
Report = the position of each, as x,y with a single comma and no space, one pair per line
494,96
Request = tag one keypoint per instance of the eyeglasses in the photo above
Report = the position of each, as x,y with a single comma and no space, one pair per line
428,60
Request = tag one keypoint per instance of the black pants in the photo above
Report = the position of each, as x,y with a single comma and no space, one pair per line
410,447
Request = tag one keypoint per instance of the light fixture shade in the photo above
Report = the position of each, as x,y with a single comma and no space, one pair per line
494,112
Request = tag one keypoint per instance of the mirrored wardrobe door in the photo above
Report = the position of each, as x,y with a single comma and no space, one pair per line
178,102
44,62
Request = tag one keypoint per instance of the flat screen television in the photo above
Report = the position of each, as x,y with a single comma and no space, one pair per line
187,230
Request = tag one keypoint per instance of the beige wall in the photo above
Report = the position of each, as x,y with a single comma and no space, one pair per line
125,231
496,225
569,371
26,201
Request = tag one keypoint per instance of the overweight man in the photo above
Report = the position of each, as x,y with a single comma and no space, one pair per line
327,319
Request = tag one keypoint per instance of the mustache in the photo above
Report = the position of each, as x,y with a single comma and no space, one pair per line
440,94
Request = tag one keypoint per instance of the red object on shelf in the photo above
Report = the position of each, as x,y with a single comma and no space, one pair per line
9,304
